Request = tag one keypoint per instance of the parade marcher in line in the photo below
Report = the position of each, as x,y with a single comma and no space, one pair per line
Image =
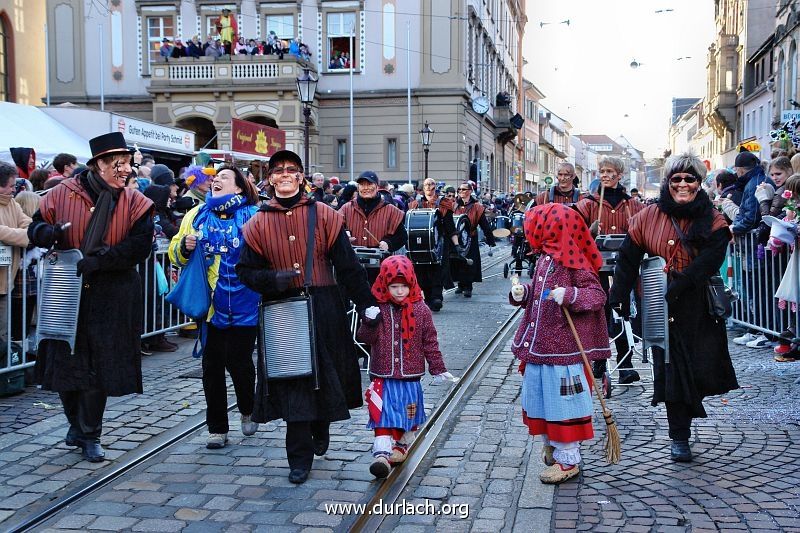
431,276
113,228
214,229
618,208
564,191
464,274
394,397
699,362
371,221
556,389
273,263
13,232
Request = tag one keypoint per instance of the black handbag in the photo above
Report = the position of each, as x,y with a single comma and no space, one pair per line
286,327
719,297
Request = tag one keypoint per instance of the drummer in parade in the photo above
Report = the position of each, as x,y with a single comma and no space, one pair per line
565,191
430,276
609,213
371,221
463,273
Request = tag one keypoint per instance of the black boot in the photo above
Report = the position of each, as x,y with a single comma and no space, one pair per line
73,437
92,451
598,369
320,432
680,452
628,376
298,476
436,305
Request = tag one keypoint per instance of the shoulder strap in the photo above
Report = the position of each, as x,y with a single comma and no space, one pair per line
312,224
576,195
682,237
552,194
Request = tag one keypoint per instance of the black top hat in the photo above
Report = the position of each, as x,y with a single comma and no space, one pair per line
108,144
284,155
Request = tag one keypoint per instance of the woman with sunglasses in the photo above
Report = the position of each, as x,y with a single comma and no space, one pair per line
699,361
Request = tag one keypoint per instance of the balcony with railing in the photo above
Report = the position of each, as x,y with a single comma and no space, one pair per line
227,72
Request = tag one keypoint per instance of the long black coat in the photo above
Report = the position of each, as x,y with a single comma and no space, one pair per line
108,343
700,364
295,400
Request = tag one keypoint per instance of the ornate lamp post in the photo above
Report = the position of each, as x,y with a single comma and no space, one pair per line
306,87
426,135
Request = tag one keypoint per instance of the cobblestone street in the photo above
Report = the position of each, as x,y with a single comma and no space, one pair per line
745,475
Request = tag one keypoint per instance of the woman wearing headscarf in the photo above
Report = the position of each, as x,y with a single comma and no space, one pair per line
273,263
692,237
113,227
214,229
25,159
556,388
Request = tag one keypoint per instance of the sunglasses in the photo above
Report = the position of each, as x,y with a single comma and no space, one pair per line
464,190
679,178
285,170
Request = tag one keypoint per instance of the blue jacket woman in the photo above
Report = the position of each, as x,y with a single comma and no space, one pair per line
215,229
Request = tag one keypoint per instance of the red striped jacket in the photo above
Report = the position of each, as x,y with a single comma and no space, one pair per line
614,220
69,202
652,231
558,198
474,211
280,235
369,230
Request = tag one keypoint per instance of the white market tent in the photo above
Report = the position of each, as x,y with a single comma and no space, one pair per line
29,127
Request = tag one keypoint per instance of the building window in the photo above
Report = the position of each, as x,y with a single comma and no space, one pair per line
157,29
5,60
391,153
341,154
282,25
339,27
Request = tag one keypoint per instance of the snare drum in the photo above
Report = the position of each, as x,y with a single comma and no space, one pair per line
369,257
424,241
502,222
517,221
609,246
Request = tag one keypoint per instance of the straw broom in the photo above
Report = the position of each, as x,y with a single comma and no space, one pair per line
613,448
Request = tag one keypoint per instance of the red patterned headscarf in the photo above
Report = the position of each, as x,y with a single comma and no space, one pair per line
561,233
399,269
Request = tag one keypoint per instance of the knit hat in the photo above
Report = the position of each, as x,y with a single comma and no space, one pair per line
746,160
162,175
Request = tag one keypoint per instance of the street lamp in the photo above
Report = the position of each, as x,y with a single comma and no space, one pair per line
306,87
426,134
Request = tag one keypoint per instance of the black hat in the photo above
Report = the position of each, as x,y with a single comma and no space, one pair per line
164,40
162,175
368,175
746,160
284,155
108,144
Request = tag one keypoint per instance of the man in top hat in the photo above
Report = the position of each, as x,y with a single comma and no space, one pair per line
371,221
112,226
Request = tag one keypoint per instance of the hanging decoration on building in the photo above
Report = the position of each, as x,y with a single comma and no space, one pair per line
787,134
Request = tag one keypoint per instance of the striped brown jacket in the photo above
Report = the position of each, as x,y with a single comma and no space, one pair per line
614,220
280,235
474,211
558,198
441,203
69,202
369,230
652,231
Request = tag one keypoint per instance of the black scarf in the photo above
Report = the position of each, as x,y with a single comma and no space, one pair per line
368,204
289,202
700,211
614,196
100,220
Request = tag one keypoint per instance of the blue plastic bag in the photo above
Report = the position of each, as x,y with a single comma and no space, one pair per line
161,279
191,294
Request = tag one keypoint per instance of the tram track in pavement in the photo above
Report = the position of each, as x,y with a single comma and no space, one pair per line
392,487
149,449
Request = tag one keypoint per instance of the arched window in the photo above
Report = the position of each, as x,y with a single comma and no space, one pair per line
6,80
791,85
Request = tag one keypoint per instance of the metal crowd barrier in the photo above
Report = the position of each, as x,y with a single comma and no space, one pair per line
755,275
158,317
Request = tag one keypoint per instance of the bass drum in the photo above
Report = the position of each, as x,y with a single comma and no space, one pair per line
424,241
463,229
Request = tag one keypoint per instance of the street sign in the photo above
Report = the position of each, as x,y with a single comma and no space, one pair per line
548,180
789,114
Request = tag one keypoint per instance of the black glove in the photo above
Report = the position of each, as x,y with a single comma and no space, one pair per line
680,282
283,279
46,235
88,265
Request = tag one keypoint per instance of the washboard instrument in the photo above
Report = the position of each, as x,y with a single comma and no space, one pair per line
59,297
655,314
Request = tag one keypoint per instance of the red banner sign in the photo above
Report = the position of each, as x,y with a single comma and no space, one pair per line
256,139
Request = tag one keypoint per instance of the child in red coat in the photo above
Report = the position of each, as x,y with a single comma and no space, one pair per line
402,338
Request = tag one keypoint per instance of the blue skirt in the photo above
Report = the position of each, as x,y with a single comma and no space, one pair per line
556,392
403,405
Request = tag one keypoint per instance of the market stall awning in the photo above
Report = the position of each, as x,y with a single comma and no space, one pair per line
28,127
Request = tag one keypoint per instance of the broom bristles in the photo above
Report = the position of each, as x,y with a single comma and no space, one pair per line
613,446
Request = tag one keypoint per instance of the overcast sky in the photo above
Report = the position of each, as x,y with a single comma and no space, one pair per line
584,68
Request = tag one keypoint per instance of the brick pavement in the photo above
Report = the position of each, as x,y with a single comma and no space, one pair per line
243,486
